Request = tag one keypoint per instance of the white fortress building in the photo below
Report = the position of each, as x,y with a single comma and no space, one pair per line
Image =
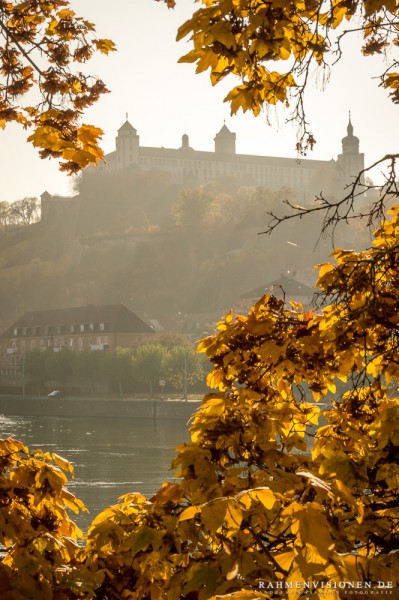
187,165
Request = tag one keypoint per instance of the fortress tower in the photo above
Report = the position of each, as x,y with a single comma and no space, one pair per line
351,161
127,144
225,141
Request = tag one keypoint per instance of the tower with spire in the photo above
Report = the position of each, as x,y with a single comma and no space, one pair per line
351,161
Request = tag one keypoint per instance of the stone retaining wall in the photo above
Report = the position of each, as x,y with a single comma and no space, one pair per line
98,407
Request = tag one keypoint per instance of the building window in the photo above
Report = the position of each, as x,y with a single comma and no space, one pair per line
102,326
80,344
82,327
32,344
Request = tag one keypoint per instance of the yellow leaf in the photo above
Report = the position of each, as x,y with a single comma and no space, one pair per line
232,574
189,513
326,268
66,13
52,27
233,518
213,407
62,463
89,135
313,555
105,46
215,379
201,577
263,495
142,538
284,53
331,387
285,560
213,514
81,157
72,502
76,87
168,492
372,6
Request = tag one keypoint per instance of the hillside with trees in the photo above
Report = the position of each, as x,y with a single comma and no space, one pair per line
123,238
140,240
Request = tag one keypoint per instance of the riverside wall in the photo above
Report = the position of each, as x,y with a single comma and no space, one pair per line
97,407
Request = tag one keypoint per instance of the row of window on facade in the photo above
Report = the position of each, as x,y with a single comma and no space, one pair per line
95,343
264,175
51,330
213,165
294,174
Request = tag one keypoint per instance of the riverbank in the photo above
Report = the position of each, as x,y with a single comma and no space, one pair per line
98,407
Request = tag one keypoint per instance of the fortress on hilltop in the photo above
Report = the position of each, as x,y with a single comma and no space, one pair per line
187,165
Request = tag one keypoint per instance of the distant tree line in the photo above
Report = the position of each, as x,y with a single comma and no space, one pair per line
20,212
168,366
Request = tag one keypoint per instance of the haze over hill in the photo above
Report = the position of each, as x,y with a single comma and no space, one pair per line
160,248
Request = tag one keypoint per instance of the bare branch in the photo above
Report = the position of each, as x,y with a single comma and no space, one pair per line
345,209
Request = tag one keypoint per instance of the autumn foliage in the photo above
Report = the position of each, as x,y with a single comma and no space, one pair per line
273,47
37,534
291,475
42,45
260,499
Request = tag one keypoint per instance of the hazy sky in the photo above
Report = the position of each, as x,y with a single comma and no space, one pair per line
165,99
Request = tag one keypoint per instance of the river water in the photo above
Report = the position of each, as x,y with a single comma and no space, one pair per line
110,456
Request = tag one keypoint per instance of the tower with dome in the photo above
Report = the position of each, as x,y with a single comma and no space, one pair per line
351,162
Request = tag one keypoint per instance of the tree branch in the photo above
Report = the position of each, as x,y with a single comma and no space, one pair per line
344,209
7,32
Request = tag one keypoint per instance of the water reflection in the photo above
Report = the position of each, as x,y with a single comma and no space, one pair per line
110,456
